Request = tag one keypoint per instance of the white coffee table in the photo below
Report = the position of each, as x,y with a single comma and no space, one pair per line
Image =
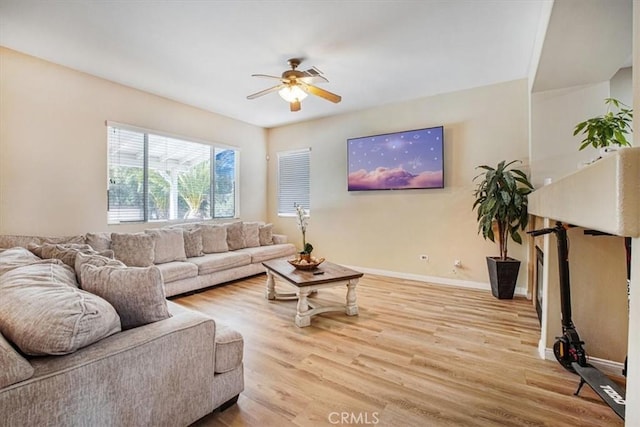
306,282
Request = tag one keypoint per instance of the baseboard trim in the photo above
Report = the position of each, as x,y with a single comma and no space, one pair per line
436,280
607,367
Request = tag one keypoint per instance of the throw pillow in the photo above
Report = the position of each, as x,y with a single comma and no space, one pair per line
64,252
134,249
96,260
13,367
137,294
214,238
251,233
235,237
265,233
169,245
17,257
193,242
44,313
99,241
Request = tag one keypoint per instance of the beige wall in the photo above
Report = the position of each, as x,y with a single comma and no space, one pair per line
389,230
53,165
554,115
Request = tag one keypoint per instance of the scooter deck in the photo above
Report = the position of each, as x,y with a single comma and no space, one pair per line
608,390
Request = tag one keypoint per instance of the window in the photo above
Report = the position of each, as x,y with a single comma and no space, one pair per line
293,181
154,177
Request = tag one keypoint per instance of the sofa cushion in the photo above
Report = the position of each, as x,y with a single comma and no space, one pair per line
134,249
229,348
96,260
214,238
66,252
235,236
168,245
137,293
44,313
13,367
265,253
251,233
193,242
99,241
17,257
210,263
265,234
177,270
11,241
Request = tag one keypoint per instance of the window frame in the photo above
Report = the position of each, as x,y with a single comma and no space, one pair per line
213,147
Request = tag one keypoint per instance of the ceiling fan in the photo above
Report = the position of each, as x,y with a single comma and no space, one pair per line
295,85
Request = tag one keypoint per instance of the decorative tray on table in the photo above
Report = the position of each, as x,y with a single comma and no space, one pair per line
303,264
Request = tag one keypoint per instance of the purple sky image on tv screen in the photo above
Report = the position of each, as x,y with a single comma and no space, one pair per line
411,159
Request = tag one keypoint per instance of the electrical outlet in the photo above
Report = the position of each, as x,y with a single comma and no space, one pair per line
424,257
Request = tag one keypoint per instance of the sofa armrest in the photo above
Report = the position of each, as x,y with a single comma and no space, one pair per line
280,239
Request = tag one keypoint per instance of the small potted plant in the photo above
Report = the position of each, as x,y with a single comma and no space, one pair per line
303,220
501,201
607,132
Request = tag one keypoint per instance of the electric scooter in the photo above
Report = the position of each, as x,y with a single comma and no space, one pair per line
568,348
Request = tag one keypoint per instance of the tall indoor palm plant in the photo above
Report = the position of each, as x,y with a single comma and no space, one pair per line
501,203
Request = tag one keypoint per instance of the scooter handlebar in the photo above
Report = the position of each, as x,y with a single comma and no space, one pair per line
541,232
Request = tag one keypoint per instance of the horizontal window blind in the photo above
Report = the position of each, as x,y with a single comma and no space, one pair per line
293,181
126,193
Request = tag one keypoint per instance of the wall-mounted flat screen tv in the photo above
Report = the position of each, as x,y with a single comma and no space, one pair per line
411,159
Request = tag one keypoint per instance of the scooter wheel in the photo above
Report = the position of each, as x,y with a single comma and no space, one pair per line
563,354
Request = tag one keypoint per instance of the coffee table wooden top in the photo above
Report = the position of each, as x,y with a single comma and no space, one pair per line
332,273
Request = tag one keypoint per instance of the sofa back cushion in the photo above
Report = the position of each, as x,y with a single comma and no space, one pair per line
193,245
99,241
13,367
251,233
17,257
214,238
168,245
43,312
96,260
134,249
65,252
136,293
265,234
235,236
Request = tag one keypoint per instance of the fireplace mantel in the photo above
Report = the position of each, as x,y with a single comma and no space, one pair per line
603,196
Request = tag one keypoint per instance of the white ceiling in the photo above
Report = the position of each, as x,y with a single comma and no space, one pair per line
203,53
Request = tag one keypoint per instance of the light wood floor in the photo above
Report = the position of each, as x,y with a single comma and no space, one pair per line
417,355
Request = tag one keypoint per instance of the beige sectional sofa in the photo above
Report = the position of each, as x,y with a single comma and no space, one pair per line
80,344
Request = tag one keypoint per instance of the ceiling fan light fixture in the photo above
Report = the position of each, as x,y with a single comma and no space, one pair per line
292,93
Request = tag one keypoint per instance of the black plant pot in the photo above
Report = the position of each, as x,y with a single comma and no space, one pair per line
503,275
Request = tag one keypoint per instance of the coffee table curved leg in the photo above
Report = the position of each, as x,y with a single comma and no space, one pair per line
302,317
271,286
352,306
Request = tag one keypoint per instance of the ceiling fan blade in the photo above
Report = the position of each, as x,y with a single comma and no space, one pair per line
294,105
266,91
314,90
266,76
313,79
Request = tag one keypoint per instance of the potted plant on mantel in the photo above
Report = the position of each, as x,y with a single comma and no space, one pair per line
607,132
501,201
